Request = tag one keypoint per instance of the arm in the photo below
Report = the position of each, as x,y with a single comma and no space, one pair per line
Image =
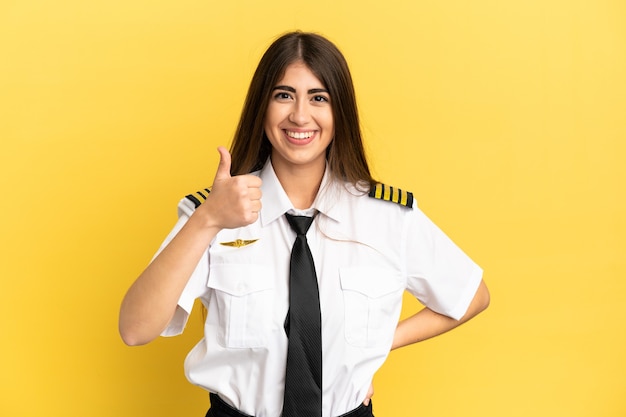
426,323
151,301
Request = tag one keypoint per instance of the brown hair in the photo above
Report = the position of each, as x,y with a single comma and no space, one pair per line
345,154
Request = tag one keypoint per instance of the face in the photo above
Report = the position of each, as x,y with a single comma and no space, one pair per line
299,121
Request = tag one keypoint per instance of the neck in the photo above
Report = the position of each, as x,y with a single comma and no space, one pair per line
300,184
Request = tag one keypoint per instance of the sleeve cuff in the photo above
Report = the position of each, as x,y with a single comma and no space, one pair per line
177,324
181,315
468,294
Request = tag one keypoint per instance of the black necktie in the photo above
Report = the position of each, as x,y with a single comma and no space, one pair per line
303,379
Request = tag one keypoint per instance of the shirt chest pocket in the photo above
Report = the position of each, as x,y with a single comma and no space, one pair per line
372,303
244,298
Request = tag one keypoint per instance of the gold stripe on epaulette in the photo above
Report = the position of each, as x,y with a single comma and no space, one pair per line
395,195
386,193
198,197
404,199
378,192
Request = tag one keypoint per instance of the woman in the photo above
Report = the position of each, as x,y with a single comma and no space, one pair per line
369,243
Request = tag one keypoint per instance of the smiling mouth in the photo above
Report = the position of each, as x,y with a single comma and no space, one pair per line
299,135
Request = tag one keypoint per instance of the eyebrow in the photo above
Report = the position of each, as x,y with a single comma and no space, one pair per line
293,90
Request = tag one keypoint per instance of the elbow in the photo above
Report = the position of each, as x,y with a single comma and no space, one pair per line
134,330
137,331
129,337
483,297
133,338
132,334
479,303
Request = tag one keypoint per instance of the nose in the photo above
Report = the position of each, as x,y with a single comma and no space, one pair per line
300,114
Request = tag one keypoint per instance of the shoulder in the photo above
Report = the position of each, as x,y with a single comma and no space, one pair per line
198,197
188,204
377,216
392,194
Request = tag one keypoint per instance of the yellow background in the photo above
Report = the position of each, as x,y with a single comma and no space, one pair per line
505,118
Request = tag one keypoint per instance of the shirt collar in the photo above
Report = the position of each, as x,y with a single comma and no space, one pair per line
275,201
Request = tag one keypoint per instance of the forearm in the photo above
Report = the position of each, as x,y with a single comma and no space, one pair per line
426,323
151,301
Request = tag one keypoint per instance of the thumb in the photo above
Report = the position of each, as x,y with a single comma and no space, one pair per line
223,169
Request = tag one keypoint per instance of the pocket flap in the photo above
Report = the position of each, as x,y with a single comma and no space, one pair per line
373,282
240,280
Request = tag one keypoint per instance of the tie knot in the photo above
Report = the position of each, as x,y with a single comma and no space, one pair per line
299,224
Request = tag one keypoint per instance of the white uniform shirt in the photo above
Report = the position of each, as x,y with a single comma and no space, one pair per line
366,252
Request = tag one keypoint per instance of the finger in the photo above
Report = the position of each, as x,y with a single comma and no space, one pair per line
254,193
223,169
253,181
255,206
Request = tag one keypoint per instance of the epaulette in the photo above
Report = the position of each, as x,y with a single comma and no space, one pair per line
198,197
395,195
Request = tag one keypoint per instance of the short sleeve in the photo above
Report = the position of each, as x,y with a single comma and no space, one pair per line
440,275
196,286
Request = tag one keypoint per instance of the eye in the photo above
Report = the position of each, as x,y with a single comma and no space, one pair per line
282,96
320,99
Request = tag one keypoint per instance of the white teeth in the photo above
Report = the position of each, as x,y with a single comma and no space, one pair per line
299,135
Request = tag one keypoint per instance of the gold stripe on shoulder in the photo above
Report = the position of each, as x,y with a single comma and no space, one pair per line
379,191
392,194
198,197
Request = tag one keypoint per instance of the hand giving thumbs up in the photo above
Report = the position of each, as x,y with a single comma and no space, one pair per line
234,201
